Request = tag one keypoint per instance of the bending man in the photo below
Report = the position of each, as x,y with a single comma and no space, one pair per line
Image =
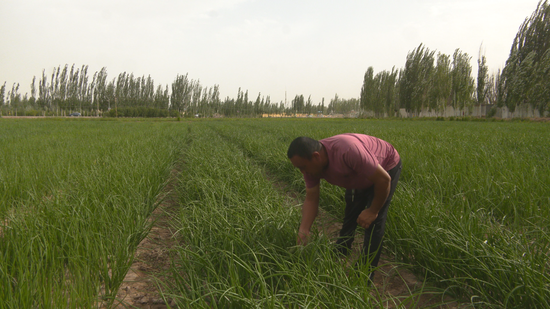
367,167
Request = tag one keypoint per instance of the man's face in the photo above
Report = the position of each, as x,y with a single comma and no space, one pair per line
311,167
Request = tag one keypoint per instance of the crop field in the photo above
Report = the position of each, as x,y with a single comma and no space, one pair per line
470,216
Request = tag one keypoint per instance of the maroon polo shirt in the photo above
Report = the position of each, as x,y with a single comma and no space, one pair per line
352,158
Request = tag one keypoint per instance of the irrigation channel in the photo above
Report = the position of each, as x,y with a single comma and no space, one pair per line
203,214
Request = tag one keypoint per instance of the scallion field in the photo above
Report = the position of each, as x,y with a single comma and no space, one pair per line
470,215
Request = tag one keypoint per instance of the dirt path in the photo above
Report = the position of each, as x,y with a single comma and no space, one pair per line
152,258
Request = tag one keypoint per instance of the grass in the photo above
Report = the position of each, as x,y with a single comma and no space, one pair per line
75,199
470,213
239,235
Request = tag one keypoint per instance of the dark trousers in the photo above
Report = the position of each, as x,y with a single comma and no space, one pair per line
356,202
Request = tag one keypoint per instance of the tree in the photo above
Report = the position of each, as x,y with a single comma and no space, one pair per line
298,104
309,106
32,100
43,92
196,90
257,105
368,90
462,81
246,105
482,76
387,99
14,98
441,84
415,79
492,93
161,98
99,95
215,98
2,94
181,93
525,77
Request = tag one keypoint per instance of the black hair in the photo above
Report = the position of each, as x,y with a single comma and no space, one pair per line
304,147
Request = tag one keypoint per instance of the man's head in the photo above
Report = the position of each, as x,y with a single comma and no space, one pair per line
306,154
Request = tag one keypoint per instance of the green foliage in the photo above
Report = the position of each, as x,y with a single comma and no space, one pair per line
74,202
526,76
379,93
469,212
415,79
2,94
462,81
338,105
482,79
298,104
492,112
238,236
441,91
448,83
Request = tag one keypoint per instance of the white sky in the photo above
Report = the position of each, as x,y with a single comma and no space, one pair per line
311,47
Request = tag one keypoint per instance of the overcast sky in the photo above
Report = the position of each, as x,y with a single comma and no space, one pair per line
318,48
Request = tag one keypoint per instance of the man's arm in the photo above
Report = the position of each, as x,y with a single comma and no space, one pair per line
309,212
382,186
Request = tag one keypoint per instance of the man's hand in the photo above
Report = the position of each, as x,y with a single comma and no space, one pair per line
309,212
303,238
382,186
366,218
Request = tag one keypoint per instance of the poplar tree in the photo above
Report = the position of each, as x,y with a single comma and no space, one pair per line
2,94
181,93
526,75
82,91
257,105
215,98
60,91
463,83
99,96
161,99
440,96
14,96
493,82
43,95
482,77
32,100
309,106
415,79
387,98
367,90
246,104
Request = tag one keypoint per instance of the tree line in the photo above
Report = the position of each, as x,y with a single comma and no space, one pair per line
68,89
429,80
435,81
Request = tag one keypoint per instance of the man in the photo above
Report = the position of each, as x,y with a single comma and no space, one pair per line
367,167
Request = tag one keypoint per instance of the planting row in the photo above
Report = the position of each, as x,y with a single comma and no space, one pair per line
238,236
471,209
76,196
